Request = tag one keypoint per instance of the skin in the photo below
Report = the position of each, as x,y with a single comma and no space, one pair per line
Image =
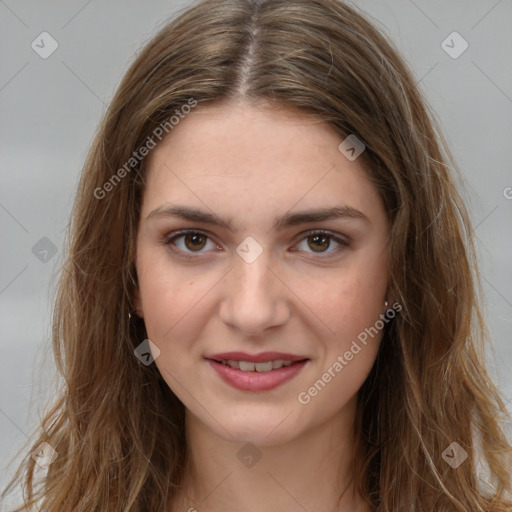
250,164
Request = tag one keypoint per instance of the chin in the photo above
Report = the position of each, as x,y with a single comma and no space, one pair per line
259,435
255,427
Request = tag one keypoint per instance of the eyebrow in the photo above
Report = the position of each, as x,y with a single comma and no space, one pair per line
284,221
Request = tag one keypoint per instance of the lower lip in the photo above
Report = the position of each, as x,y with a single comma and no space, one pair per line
255,381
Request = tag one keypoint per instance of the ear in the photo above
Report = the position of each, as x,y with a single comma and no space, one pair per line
137,302
387,297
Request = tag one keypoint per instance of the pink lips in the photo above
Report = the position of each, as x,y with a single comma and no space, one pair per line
256,381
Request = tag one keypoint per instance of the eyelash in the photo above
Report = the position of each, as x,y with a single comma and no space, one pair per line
168,241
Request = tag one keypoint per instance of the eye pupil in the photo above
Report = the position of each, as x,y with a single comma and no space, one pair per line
195,241
324,240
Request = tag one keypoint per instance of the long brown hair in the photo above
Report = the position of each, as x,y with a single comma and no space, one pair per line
117,427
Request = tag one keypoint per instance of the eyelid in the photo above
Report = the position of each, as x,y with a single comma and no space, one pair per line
343,240
176,234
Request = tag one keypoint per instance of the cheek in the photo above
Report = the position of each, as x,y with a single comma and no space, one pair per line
175,310
351,307
345,301
172,298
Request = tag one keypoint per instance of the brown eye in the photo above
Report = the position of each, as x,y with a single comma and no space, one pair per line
195,241
189,242
319,243
323,243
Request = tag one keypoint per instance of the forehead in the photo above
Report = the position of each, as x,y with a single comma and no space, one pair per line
238,131
254,158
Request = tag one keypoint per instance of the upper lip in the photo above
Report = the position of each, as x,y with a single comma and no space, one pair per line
262,357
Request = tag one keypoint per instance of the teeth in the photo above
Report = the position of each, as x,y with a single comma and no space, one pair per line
263,367
248,366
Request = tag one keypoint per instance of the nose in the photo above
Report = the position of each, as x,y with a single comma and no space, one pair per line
254,298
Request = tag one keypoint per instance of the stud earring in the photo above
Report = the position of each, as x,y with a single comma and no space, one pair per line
132,312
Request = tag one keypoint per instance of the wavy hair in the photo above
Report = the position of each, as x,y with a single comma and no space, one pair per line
117,427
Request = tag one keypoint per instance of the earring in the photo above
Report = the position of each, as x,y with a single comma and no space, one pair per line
386,305
133,311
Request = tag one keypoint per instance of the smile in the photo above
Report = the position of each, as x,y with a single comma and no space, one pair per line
248,366
256,372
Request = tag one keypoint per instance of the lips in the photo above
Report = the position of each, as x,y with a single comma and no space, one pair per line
262,357
256,372
248,366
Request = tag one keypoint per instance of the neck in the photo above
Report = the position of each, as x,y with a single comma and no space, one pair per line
311,472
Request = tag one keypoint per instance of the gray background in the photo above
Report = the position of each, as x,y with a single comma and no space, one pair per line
50,108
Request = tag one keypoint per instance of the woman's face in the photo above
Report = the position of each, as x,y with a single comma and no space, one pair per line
261,244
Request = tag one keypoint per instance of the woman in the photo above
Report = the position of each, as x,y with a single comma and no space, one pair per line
269,298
